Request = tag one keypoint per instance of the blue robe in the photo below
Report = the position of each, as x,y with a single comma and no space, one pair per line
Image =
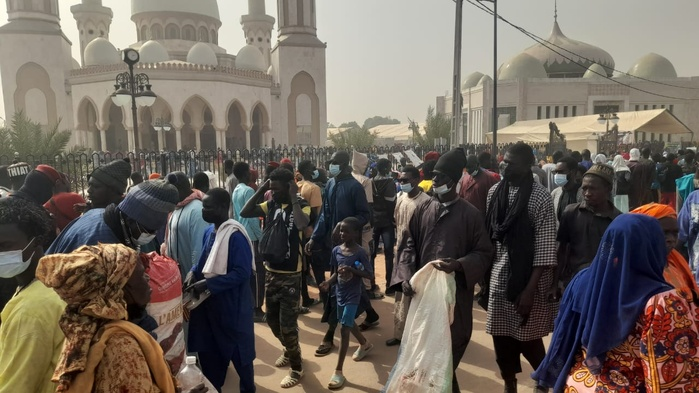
87,230
223,322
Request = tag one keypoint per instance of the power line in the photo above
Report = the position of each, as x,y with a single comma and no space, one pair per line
547,44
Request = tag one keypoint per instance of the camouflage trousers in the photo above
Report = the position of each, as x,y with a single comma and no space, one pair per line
282,303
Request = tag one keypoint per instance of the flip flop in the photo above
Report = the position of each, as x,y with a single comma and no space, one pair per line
292,379
324,349
336,382
362,352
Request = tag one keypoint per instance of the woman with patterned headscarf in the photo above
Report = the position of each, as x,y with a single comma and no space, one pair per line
677,272
103,352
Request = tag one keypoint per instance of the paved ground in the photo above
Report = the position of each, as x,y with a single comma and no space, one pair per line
477,372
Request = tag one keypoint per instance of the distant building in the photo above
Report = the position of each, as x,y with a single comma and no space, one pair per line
212,99
541,84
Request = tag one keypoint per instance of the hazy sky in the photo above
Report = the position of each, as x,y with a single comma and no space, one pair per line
393,57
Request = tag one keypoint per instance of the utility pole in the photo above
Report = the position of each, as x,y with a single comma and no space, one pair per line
456,94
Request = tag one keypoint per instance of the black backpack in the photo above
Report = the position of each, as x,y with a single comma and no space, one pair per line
274,245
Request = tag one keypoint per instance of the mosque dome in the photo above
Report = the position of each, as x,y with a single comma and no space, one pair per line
485,79
471,80
653,66
153,52
595,72
250,58
101,52
200,7
522,66
202,54
582,54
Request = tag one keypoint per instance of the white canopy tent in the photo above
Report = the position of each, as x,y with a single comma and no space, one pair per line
581,129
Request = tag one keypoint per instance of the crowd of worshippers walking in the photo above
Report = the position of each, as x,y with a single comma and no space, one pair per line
110,293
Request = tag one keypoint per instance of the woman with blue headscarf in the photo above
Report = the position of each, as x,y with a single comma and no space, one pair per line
621,327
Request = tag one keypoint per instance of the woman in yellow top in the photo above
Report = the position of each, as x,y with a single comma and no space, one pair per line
30,339
103,352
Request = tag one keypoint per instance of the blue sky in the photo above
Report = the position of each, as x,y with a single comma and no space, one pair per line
392,57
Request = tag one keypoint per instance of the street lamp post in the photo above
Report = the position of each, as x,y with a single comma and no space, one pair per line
494,126
137,88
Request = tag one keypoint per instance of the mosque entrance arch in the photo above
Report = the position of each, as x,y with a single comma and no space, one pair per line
87,122
260,126
208,132
117,137
303,110
235,133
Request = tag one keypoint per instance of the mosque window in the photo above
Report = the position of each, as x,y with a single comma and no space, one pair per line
90,32
101,33
672,107
538,112
188,33
637,107
565,111
645,107
654,106
575,110
556,112
203,34
156,32
259,39
172,31
548,112
662,106
214,37
144,33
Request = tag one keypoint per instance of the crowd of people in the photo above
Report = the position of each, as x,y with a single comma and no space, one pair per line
109,290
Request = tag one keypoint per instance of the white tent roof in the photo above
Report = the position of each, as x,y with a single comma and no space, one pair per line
397,131
659,121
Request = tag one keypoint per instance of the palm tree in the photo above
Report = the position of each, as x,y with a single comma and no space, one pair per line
28,138
437,125
356,137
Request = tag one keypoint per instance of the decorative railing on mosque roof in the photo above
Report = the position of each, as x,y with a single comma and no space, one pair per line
172,66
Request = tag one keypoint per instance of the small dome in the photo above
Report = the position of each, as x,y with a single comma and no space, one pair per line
471,80
250,58
202,54
101,52
653,66
153,52
522,66
595,71
582,54
485,79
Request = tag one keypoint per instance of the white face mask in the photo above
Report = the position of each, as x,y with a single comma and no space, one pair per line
316,174
406,187
560,179
441,190
144,239
12,263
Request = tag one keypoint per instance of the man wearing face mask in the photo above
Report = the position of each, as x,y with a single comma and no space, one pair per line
521,224
30,337
568,189
410,197
475,184
451,230
310,192
133,222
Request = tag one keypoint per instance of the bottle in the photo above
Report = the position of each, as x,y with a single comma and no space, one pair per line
358,265
191,375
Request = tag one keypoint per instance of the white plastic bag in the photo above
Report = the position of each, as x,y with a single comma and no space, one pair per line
425,360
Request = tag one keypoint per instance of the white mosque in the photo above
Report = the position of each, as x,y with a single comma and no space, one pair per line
541,84
270,92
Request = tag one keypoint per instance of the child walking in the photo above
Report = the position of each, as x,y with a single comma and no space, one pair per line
350,263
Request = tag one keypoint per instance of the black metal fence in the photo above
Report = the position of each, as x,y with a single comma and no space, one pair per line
78,166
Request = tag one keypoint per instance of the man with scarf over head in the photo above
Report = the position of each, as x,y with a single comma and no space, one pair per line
449,229
521,223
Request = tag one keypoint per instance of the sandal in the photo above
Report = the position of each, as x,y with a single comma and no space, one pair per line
292,379
303,310
336,382
324,349
362,352
368,325
282,361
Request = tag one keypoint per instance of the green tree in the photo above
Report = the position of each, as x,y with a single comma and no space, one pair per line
352,124
28,138
437,125
379,121
357,137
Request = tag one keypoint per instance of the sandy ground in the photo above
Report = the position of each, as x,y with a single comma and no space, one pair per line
477,371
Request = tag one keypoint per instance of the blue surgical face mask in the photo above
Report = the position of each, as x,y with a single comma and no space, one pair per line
316,174
334,170
406,187
441,190
560,179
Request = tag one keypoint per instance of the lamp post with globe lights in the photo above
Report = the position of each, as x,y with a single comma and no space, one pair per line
133,88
